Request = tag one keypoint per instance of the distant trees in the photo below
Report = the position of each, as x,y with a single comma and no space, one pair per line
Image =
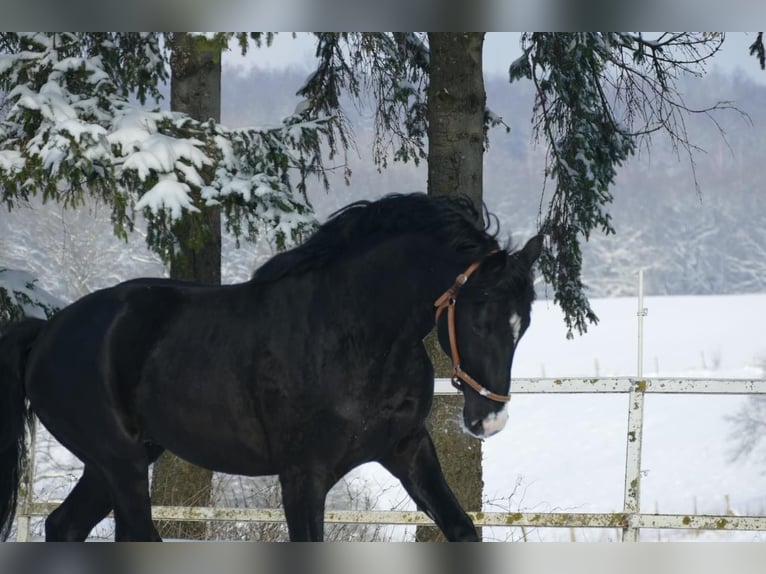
748,426
71,251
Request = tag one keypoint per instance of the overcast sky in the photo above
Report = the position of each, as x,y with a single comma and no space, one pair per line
500,49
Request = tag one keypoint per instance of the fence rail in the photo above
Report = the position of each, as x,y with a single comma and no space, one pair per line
630,520
416,518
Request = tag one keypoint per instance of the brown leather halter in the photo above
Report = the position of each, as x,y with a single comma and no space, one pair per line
447,301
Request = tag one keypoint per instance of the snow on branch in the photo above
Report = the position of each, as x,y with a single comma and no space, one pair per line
71,129
21,297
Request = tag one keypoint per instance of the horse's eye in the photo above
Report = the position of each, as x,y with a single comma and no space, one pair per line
481,329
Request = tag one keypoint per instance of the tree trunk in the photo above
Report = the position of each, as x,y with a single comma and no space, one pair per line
456,108
456,104
195,88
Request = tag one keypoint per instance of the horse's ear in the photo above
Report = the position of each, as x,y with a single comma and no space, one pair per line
532,250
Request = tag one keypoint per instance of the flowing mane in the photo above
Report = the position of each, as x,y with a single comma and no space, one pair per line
453,221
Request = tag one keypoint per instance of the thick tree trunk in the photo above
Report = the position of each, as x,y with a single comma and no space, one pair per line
456,104
459,452
195,89
456,107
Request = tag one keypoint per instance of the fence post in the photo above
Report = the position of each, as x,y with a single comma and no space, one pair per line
642,312
632,504
633,457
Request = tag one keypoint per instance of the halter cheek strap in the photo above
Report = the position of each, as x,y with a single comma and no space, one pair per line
447,301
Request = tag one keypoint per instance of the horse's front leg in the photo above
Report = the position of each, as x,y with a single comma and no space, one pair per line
303,498
414,462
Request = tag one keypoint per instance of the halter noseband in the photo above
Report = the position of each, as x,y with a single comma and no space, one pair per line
447,301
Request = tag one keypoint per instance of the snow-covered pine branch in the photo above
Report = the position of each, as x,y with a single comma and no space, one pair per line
71,129
21,297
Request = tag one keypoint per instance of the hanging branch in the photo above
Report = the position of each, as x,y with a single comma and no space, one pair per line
598,97
757,50
391,69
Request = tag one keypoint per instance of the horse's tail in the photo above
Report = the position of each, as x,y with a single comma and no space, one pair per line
15,344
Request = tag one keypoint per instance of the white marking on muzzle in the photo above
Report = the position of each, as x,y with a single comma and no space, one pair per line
495,422
515,322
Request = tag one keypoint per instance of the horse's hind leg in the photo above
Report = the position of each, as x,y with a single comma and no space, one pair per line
86,506
127,480
124,486
415,464
303,498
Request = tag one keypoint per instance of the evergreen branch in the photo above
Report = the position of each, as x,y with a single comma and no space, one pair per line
70,130
757,50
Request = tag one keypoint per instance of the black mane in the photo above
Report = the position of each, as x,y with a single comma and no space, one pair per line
454,221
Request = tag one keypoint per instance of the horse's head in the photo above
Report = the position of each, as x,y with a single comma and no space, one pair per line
490,313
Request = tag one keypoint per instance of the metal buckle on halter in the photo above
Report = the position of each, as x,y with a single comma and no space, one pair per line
457,382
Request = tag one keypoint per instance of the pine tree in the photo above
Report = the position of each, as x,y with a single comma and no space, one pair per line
72,130
72,127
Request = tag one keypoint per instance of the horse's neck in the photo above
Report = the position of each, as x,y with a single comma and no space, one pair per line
401,283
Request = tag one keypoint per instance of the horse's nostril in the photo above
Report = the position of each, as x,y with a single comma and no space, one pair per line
477,427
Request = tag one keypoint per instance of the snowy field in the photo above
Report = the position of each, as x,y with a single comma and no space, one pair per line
567,452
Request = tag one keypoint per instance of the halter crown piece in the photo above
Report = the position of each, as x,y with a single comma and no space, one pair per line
447,301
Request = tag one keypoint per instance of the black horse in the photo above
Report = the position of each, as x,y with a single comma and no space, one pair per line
313,367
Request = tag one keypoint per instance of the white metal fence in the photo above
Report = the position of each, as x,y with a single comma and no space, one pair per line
630,519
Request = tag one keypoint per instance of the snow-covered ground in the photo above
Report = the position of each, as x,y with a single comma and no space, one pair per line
567,452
